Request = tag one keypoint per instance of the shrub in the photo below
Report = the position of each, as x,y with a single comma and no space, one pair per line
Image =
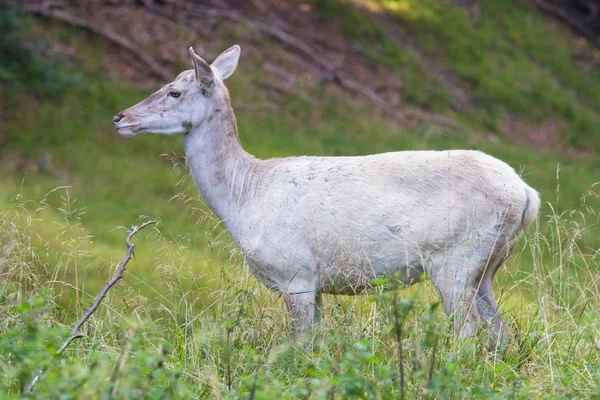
25,62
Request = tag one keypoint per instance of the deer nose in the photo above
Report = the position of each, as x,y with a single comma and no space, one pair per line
118,117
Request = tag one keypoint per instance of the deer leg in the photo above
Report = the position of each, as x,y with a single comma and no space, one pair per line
301,306
459,304
318,308
487,307
458,297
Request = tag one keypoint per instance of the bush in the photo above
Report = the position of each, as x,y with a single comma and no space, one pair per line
25,62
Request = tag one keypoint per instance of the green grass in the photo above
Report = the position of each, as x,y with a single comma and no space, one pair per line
509,58
420,87
237,343
188,318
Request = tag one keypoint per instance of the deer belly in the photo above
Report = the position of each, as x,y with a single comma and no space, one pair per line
361,279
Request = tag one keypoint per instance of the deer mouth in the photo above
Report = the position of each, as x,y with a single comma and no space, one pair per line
128,130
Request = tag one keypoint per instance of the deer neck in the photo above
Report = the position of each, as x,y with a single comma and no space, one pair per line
226,175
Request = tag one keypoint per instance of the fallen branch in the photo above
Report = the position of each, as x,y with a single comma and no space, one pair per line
289,80
563,16
332,72
205,11
295,43
75,334
353,86
336,76
432,117
155,68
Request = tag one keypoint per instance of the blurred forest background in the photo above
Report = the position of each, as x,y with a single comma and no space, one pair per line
518,79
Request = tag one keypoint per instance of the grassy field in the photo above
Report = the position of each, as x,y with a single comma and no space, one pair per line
188,320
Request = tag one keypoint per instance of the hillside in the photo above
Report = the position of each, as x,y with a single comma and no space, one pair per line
284,110
322,77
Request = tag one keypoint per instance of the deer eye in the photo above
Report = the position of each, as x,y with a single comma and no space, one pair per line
174,93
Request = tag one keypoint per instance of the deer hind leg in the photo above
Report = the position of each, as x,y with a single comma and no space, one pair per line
458,296
487,307
465,283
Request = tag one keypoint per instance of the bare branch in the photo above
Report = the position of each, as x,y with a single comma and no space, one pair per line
295,43
75,334
334,74
562,15
155,68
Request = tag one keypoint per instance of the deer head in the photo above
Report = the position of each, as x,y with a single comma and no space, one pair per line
184,103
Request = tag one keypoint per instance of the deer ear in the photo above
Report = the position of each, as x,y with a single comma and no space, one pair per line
227,62
204,74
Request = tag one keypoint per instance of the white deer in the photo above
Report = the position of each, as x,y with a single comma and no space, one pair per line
314,225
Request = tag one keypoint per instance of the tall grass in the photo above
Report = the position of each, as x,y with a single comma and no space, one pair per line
229,338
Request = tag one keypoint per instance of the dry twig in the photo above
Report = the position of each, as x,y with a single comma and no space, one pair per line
75,334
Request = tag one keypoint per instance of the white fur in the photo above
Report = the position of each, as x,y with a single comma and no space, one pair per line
227,62
312,225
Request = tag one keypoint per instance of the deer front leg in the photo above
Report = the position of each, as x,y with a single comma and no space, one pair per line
301,306
318,308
